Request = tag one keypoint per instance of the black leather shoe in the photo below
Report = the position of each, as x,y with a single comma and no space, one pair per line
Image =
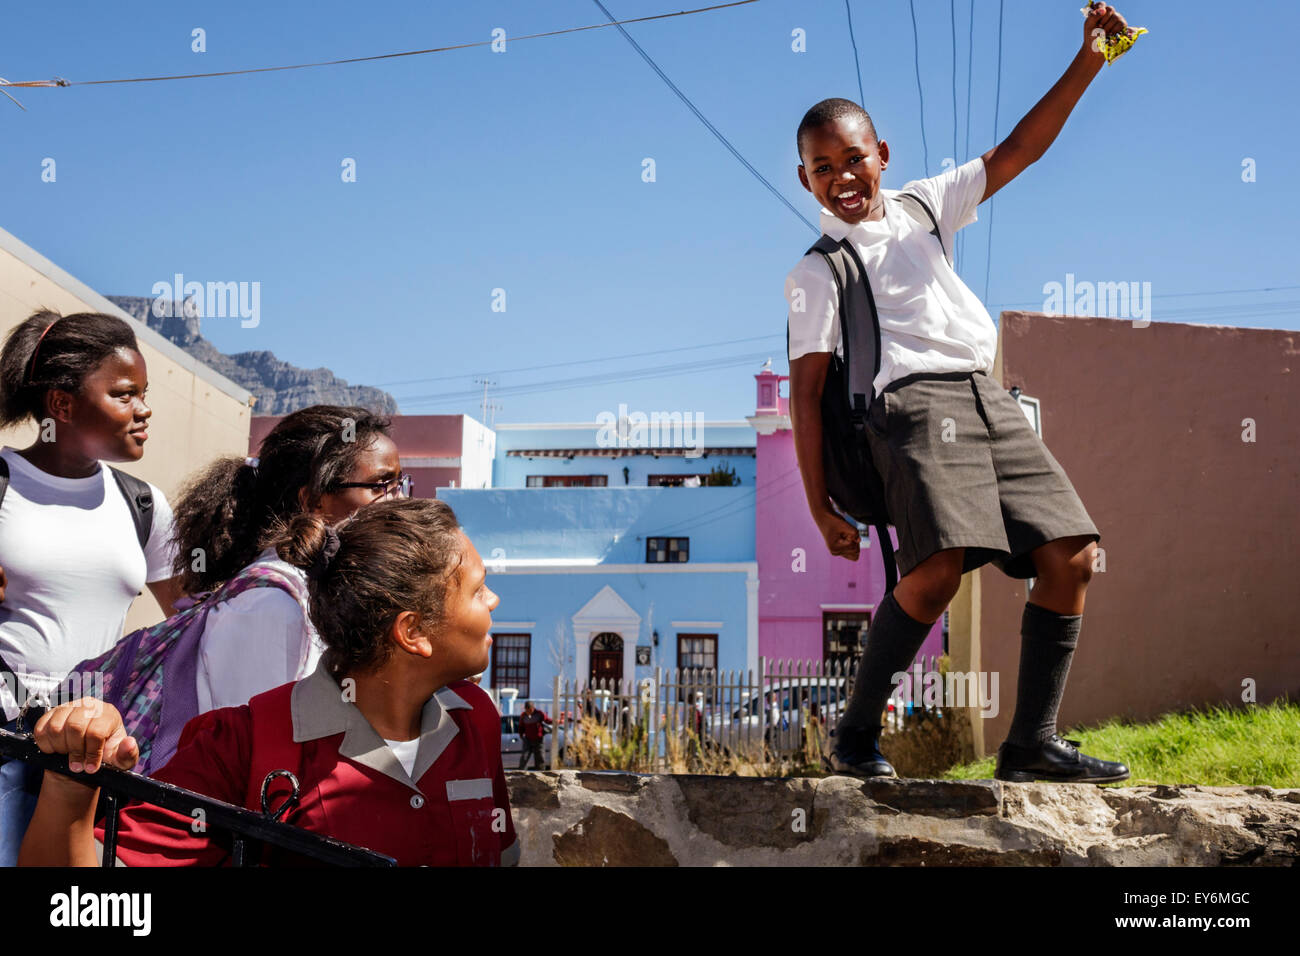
862,766
860,756
1055,760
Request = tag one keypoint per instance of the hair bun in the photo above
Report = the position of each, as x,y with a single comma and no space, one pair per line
325,556
300,541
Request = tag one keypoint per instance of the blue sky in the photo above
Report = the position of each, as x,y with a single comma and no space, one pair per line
522,171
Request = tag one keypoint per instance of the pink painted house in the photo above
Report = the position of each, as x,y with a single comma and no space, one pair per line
811,606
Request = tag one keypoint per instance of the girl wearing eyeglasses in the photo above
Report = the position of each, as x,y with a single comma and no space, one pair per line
323,460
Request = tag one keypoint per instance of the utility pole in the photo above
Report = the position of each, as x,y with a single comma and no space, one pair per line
484,405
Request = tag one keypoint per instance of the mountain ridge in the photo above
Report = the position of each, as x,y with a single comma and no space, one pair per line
279,386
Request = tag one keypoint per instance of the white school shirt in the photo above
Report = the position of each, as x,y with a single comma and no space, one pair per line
73,565
930,321
257,640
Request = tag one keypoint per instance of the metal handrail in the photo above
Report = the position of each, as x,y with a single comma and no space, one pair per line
250,829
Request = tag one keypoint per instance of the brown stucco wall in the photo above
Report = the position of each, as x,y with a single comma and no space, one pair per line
1198,527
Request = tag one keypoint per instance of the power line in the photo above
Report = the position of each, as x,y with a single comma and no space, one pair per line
856,63
997,102
606,358
1192,315
1260,309
952,17
630,375
774,487
728,509
1218,312
713,129
970,58
59,81
1177,295
916,59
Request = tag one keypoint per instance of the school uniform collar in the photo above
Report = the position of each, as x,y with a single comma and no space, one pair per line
838,229
319,710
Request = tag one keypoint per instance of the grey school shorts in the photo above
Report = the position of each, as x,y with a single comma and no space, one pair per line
963,468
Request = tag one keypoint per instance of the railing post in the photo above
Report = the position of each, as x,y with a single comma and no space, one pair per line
556,725
110,829
654,717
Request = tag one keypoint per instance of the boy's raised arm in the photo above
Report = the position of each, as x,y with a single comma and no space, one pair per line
1038,130
807,378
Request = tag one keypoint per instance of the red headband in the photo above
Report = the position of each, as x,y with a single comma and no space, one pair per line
31,372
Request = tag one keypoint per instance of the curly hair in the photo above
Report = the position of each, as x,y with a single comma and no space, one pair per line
227,513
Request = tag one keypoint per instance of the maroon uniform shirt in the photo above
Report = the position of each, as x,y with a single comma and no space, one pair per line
453,810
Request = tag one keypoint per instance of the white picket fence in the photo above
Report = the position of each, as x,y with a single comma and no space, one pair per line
759,716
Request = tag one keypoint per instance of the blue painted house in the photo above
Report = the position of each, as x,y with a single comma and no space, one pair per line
611,553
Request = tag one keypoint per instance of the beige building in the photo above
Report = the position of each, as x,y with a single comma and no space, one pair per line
1183,441
197,413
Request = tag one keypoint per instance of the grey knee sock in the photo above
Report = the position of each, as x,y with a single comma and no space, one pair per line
1047,642
892,643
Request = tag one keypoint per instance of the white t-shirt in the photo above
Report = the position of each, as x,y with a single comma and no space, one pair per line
257,640
930,321
73,566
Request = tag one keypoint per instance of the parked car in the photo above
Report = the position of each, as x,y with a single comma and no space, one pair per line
786,701
744,730
512,744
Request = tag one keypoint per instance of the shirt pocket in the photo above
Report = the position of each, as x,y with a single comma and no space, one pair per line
475,814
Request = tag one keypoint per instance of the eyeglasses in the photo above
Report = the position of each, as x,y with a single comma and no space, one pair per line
400,487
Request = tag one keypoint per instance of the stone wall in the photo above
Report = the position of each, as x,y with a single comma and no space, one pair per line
578,818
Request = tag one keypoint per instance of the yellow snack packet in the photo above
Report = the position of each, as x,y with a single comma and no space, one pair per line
1117,44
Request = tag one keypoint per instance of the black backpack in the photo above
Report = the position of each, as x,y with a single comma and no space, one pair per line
852,482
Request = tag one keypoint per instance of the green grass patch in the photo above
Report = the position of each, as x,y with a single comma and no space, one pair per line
1251,745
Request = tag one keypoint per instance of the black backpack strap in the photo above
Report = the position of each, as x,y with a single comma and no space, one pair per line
861,346
861,379
855,296
826,246
933,221
15,685
887,555
139,496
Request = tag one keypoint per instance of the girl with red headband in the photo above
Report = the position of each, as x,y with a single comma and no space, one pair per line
78,541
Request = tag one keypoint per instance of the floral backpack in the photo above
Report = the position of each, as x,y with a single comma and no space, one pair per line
151,675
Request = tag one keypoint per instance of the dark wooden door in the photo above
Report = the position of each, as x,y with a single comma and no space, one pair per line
607,659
